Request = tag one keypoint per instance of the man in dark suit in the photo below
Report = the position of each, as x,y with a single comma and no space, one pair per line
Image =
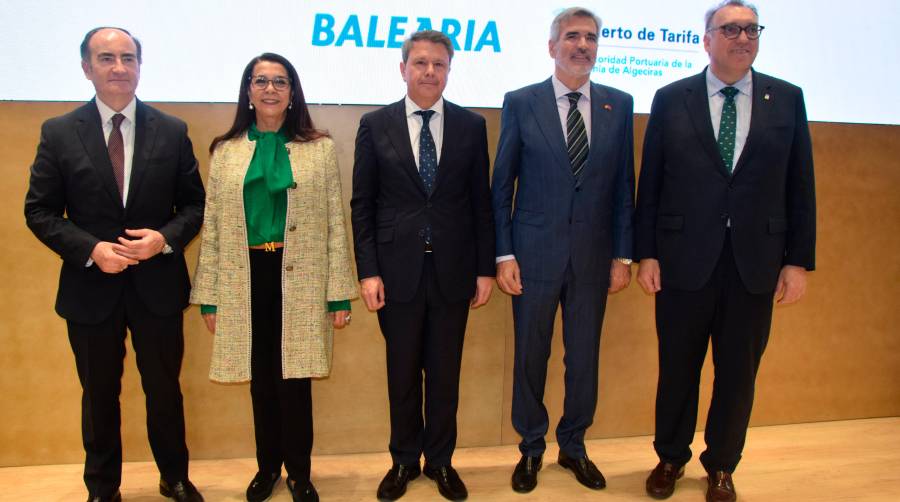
424,239
116,193
566,151
725,221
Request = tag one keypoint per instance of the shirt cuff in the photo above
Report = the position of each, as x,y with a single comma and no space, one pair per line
339,305
505,257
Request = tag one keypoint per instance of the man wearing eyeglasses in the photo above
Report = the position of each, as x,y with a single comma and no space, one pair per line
725,222
116,193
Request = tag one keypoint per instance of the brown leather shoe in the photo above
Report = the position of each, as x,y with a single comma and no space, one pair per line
661,482
721,488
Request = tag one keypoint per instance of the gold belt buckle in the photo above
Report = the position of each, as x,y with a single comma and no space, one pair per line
269,247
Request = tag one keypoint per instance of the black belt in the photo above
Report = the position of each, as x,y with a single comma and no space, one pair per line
428,247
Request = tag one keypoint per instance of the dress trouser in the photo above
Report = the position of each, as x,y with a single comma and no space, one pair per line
99,349
282,408
424,335
534,311
738,324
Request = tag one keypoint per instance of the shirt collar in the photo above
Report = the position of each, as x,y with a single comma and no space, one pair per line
106,113
560,90
412,107
714,85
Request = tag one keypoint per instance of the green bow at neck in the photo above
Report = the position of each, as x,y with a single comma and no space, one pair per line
270,160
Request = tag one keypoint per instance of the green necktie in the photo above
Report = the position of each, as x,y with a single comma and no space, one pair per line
727,126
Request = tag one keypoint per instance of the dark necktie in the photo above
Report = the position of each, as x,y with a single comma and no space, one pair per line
116,148
727,128
576,135
427,161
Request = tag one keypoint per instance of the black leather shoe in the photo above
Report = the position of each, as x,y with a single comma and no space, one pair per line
393,486
661,482
585,471
261,487
116,497
182,491
448,482
524,478
302,492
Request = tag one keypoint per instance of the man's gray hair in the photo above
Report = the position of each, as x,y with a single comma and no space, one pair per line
569,13
736,3
433,36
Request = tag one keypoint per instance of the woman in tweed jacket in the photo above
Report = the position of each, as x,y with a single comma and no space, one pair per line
274,275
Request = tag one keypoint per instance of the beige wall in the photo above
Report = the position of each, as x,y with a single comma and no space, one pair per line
836,355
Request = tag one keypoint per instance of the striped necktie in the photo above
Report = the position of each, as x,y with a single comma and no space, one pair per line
116,148
576,135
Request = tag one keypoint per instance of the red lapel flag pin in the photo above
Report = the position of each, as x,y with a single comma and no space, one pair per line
608,107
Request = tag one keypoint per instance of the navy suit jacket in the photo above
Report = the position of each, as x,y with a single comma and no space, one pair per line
73,203
544,215
390,206
686,196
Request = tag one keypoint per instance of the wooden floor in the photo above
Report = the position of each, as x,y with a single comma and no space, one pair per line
831,461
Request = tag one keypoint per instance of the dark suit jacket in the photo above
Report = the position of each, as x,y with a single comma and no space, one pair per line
686,195
73,203
559,219
390,206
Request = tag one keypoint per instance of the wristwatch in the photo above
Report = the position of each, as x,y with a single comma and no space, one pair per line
624,261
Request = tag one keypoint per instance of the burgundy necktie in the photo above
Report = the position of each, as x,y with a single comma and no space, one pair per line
116,147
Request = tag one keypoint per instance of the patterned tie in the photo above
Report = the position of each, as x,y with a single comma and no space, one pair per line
116,148
427,161
576,135
727,127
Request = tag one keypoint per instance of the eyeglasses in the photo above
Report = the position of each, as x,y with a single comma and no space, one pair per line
261,82
732,31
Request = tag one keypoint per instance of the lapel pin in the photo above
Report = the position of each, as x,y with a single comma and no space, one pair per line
607,107
766,96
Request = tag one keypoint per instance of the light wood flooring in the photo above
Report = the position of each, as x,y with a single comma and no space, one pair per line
830,461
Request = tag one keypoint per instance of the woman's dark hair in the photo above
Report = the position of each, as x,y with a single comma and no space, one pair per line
298,125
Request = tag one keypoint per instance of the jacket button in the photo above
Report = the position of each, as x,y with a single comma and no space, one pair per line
289,268
292,228
294,185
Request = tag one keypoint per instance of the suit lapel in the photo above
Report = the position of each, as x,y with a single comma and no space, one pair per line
398,133
600,122
763,98
547,115
144,140
90,132
449,142
697,102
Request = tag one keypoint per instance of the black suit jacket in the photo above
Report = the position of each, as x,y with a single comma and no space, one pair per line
686,195
390,206
73,203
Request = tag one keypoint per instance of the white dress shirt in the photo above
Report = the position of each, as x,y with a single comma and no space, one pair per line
127,127
435,124
743,103
562,104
